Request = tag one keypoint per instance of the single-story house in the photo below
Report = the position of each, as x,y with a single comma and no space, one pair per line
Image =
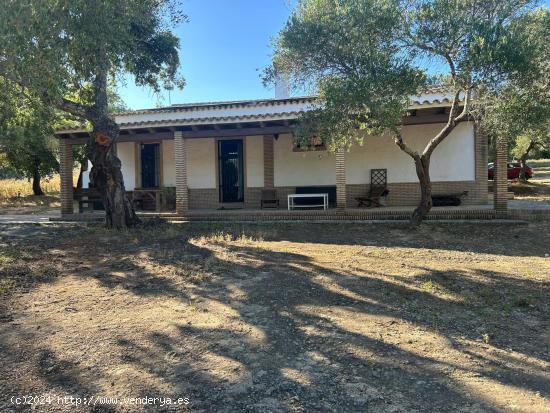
221,155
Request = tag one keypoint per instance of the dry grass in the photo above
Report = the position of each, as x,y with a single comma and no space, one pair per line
16,196
537,188
541,168
16,188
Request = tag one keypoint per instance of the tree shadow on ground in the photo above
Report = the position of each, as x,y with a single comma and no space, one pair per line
490,238
303,336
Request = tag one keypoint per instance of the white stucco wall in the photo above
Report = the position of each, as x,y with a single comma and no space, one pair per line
254,162
452,160
86,176
201,163
301,168
168,163
126,154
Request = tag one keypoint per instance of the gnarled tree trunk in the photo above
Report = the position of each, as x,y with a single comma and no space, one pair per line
422,166
523,172
422,161
106,175
36,188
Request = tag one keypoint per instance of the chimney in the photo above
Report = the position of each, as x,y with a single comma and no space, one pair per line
282,90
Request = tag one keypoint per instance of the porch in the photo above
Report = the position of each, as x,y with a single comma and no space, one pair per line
477,212
204,165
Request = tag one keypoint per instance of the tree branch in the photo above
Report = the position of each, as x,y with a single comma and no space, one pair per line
447,129
398,139
466,107
74,108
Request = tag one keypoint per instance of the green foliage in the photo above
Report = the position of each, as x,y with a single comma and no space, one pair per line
26,133
57,49
7,171
520,112
66,52
482,43
347,51
365,58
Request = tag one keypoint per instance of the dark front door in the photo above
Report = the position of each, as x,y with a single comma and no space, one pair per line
230,154
150,165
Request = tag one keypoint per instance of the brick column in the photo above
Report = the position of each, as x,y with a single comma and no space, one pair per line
180,153
481,191
340,178
500,184
268,162
66,175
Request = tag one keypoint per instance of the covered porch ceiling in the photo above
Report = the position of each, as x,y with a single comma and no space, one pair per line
155,133
144,133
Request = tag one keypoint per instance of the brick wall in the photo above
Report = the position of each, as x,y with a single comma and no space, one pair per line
268,161
66,175
480,191
341,178
500,183
182,194
203,198
408,194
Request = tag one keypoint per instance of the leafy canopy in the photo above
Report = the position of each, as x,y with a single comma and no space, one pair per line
55,48
520,112
365,58
27,133
347,51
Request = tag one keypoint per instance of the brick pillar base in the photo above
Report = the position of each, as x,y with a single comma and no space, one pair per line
66,176
480,137
340,178
500,183
268,162
180,153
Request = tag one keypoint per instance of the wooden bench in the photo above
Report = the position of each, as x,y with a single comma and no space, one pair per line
154,194
86,196
89,196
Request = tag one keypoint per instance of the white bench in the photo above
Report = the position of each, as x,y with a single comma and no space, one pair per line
292,204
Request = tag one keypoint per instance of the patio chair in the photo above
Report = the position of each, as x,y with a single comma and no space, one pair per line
378,189
269,199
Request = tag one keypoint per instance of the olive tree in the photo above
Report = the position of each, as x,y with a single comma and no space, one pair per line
27,136
55,49
365,58
520,112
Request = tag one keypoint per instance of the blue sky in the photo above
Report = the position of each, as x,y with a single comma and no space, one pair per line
223,48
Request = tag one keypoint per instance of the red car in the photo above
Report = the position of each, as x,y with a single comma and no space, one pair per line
514,168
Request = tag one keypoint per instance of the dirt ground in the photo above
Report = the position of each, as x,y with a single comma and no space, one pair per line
30,205
276,318
536,189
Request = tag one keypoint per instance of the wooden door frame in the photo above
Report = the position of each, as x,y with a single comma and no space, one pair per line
217,164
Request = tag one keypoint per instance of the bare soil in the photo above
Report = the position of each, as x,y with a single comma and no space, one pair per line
30,205
277,318
536,189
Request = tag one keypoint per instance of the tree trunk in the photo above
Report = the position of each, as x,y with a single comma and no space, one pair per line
36,189
422,165
106,176
523,160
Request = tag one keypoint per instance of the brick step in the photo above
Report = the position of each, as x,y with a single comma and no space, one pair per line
342,216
